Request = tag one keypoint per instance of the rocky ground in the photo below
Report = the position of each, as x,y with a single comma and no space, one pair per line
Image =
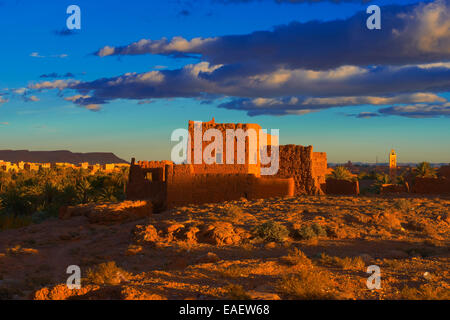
295,248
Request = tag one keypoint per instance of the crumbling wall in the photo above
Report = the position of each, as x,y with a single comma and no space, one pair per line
240,164
342,187
184,188
444,172
320,169
431,185
394,188
297,162
143,186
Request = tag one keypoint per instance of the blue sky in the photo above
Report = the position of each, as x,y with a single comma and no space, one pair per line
320,83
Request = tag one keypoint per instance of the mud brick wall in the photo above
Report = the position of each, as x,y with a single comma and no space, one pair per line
297,162
237,167
185,189
139,188
342,187
320,169
431,186
262,188
394,188
444,172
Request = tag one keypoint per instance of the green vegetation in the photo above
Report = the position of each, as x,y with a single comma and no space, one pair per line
308,232
341,173
424,170
31,197
272,231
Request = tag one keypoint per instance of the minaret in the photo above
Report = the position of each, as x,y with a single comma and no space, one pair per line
392,164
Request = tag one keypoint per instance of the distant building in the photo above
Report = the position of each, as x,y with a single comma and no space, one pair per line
392,164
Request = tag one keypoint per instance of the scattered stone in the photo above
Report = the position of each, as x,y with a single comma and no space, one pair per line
210,257
218,233
109,213
256,295
145,233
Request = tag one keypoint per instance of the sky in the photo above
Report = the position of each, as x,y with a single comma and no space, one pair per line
138,70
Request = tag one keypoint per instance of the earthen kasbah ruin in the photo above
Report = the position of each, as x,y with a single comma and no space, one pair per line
301,171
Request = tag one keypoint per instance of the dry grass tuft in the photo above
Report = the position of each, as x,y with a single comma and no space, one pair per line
346,263
403,205
296,257
236,292
107,273
234,212
308,284
233,271
18,249
424,293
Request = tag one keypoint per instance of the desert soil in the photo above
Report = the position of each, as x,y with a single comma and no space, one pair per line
212,252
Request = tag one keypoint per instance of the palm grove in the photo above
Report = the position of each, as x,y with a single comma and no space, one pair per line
33,196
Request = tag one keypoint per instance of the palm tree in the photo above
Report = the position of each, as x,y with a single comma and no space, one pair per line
84,190
108,194
16,201
341,173
424,170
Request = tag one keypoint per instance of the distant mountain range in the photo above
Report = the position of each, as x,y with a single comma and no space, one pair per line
59,156
402,164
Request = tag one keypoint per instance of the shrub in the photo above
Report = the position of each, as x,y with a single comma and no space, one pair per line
308,284
296,257
319,230
308,232
234,212
9,221
424,293
403,205
272,231
233,271
107,273
236,292
345,263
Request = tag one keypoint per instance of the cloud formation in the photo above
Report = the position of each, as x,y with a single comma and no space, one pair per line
300,105
64,32
410,35
404,66
418,110
290,1
57,75
38,55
